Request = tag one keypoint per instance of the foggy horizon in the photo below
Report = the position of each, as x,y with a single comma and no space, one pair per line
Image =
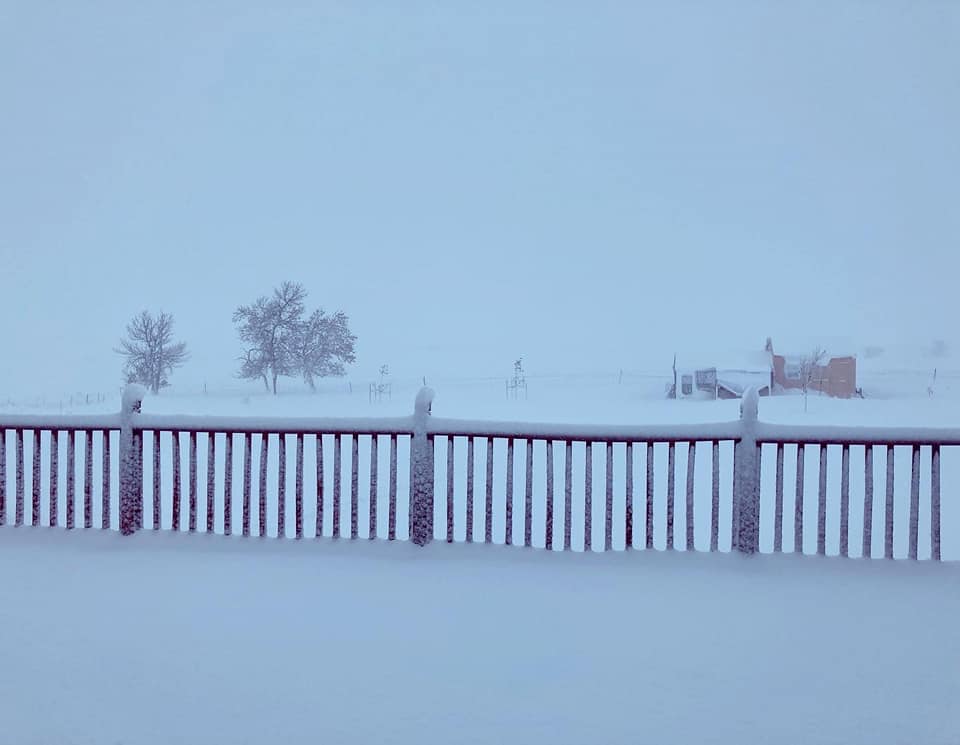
590,189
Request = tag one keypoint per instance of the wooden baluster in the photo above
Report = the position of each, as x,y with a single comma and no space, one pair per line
822,503
568,495
935,503
488,507
247,481
845,501
392,517
450,459
778,508
228,484
262,494
798,503
470,475
671,478
608,507
691,465
192,444
548,517
508,508
71,477
372,529
54,478
282,485
298,490
211,478
337,473
914,503
175,443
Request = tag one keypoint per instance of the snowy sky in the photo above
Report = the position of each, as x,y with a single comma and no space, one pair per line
587,184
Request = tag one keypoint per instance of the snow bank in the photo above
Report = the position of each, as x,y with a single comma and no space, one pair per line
185,639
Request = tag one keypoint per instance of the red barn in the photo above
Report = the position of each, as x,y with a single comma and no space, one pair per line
835,375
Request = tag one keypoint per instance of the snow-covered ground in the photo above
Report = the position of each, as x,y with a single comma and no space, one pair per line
188,639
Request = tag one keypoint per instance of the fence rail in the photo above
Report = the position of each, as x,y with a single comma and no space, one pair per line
546,485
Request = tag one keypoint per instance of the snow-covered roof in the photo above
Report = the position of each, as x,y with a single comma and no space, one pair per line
738,381
798,346
743,360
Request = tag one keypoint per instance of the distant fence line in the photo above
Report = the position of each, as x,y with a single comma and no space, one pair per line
919,379
151,461
66,400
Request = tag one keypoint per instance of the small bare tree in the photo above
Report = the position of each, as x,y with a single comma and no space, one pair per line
810,370
150,352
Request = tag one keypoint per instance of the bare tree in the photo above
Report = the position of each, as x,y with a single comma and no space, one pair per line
150,352
281,342
810,370
323,345
269,327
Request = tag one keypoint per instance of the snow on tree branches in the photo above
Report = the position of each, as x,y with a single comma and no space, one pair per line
282,342
150,352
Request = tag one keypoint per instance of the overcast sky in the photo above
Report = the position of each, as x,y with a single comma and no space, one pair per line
591,185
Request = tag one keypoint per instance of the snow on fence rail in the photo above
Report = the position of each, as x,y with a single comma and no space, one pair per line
158,459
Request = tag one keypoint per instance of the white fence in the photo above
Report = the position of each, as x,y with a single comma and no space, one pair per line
543,485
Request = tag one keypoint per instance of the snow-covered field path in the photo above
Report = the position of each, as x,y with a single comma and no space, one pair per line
204,639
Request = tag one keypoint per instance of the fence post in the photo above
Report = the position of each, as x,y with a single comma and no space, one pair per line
421,471
746,478
131,461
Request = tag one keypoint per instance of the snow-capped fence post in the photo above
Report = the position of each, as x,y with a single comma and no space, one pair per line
131,461
746,478
421,471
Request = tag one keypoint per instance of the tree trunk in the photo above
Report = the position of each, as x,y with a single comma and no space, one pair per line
274,384
266,383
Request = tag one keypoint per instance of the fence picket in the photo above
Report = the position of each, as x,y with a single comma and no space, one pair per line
228,484
488,505
247,478
298,490
175,448
337,466
845,502
671,486
822,504
470,474
628,500
888,515
211,478
18,517
54,467
262,493
691,465
282,486
392,525
778,508
372,529
649,505
35,481
71,476
319,448
508,497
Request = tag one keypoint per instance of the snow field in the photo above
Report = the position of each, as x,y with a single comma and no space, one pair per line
181,639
